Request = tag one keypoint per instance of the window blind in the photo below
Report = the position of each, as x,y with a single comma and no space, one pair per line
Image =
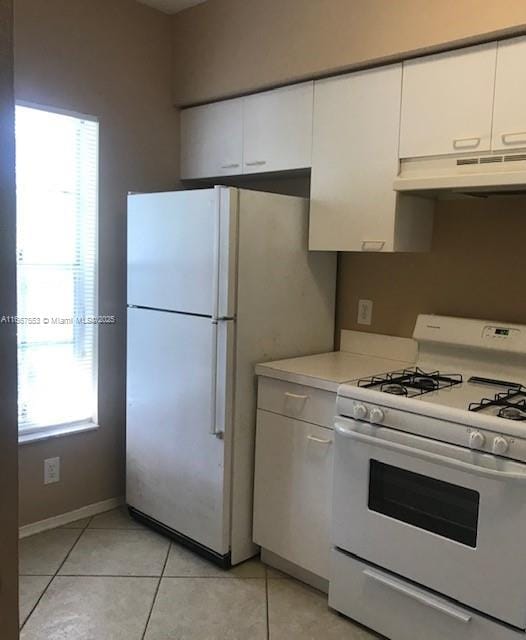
57,199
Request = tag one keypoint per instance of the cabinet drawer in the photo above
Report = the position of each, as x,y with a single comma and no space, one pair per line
297,401
402,611
292,494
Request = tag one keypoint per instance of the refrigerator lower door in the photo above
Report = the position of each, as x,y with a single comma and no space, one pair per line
176,472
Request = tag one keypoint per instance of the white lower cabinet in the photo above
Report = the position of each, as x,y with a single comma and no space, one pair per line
292,498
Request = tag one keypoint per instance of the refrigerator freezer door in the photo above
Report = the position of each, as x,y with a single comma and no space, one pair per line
173,250
176,471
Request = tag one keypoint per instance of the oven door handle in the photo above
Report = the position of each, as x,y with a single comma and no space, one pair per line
430,456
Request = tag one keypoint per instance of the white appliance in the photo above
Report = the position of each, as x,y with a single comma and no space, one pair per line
218,280
429,504
490,173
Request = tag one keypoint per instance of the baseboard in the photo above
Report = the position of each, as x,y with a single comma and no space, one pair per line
71,516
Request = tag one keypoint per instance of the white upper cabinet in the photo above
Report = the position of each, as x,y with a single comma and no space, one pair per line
354,163
212,140
509,117
447,102
278,129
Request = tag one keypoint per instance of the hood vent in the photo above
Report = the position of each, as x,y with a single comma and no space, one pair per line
491,159
473,174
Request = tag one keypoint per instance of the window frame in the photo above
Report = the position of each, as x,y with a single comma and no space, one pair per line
32,434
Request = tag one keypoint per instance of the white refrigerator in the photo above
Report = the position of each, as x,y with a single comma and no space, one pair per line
218,280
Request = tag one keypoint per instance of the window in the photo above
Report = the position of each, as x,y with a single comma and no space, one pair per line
57,193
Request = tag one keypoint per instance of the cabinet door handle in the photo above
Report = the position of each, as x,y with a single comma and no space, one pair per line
256,163
466,143
514,138
319,440
295,396
373,245
234,165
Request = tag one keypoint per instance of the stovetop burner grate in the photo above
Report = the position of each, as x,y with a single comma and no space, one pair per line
410,382
510,405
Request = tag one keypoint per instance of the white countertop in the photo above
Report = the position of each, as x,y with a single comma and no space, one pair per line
328,370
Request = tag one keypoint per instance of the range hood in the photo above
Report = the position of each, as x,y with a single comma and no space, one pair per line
491,173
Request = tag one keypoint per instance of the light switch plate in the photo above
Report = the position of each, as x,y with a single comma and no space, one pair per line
365,312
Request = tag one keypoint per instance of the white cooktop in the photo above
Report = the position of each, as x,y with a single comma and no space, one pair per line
459,346
462,395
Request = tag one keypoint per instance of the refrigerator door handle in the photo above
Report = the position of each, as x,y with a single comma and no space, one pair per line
216,270
213,380
223,377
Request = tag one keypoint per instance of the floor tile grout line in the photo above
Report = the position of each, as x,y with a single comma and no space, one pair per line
154,599
53,577
123,575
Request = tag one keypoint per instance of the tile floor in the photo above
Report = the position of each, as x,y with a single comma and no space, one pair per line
110,578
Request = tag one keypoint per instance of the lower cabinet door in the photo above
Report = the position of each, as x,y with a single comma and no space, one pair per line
292,497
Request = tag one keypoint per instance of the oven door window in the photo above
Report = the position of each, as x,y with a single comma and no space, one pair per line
443,508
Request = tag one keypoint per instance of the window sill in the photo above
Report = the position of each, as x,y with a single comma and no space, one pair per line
56,432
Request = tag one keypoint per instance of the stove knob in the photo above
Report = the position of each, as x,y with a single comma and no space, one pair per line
376,416
359,411
476,440
500,445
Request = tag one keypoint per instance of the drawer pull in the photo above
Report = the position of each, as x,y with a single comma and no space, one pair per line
514,138
319,440
234,165
373,245
295,396
256,163
427,600
466,143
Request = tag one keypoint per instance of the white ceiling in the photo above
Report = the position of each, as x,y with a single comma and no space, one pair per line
171,6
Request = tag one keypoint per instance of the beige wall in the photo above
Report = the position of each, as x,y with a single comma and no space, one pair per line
473,270
8,428
226,47
111,59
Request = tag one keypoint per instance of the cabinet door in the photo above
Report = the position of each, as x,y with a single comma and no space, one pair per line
509,115
212,140
292,498
278,129
355,161
447,102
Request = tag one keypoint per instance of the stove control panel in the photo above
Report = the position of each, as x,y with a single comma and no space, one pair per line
477,438
498,335
496,443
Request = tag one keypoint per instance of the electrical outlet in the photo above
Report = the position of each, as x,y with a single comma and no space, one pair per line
365,311
51,470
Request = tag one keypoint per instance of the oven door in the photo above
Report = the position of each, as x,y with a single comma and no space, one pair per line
446,517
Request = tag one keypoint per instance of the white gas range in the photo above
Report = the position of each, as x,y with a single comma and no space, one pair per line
429,500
